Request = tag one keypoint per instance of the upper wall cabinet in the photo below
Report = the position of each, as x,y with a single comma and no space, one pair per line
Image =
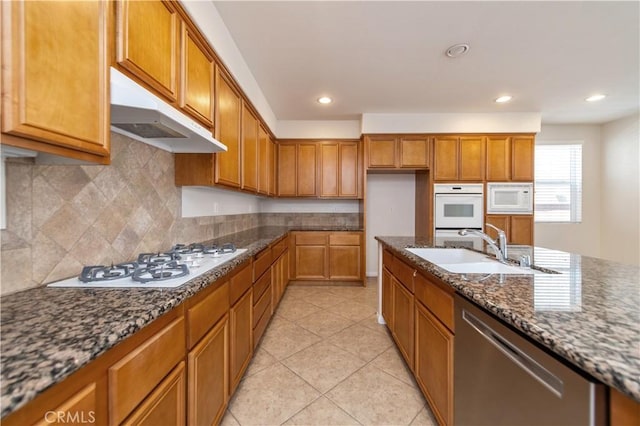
148,44
459,158
55,77
228,121
397,152
249,149
340,170
510,158
196,94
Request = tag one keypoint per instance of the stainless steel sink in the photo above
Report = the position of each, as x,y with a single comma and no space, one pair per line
462,261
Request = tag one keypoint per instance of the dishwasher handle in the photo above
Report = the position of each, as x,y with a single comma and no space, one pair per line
524,361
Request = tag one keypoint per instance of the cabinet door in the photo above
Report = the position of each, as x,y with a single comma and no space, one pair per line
287,170
249,150
165,405
500,222
264,161
241,343
311,262
197,78
472,158
349,182
403,321
344,263
307,169
522,148
208,366
381,152
329,174
521,228
434,364
498,158
387,298
148,43
273,168
83,404
55,77
228,110
414,152
445,158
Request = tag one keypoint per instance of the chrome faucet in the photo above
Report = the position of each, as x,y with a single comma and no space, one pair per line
499,246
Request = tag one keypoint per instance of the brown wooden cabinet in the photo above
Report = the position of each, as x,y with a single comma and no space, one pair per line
83,407
623,411
397,152
148,44
340,173
434,363
519,228
345,250
208,366
241,335
55,78
249,150
307,169
287,166
165,405
459,158
510,158
311,260
387,297
265,161
273,167
228,120
403,323
196,93
328,256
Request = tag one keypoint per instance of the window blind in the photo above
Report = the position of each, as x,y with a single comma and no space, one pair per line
558,183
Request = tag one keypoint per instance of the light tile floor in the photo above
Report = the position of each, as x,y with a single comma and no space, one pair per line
324,360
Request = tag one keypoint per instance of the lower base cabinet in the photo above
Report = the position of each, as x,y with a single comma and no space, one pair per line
434,363
327,256
165,405
241,344
403,324
208,366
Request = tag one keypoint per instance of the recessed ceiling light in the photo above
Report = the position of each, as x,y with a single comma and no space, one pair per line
325,100
595,98
503,99
457,50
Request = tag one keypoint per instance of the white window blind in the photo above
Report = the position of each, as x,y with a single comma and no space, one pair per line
558,171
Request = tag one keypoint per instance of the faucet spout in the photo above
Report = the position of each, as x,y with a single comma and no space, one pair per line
499,246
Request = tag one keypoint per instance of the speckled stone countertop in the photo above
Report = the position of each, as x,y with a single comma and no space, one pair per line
48,333
589,314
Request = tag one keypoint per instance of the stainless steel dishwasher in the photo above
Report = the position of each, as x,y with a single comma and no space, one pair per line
501,378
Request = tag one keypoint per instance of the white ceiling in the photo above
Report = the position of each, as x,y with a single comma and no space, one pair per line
388,57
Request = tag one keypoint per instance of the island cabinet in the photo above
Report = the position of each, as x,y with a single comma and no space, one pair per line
397,151
327,256
623,411
55,78
519,228
459,158
510,158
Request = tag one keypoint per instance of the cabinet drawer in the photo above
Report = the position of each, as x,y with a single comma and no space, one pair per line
261,263
202,316
239,283
133,377
260,286
261,326
387,259
404,273
311,239
261,306
438,300
344,239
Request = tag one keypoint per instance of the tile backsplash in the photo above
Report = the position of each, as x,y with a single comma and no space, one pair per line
62,217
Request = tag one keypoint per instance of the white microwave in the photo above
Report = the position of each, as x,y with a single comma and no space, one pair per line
509,198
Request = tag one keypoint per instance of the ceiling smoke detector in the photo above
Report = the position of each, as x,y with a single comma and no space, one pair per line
457,50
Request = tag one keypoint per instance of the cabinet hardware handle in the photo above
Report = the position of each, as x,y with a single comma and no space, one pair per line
415,272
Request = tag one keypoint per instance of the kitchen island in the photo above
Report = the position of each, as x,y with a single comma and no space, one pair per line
588,314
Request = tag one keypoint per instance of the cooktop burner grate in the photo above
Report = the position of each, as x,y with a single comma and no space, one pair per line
160,272
107,273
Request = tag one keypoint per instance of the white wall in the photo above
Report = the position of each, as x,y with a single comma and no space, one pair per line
582,238
308,129
390,211
620,214
204,201
290,205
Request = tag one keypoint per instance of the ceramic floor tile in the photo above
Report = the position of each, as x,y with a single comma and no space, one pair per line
362,341
391,361
270,397
368,298
229,420
322,412
293,309
286,339
424,418
372,323
347,292
353,310
300,291
261,360
373,397
324,299
323,365
324,323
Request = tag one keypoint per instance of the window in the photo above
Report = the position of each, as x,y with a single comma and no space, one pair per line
558,196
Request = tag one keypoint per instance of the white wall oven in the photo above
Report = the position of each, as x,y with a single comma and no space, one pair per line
456,207
509,198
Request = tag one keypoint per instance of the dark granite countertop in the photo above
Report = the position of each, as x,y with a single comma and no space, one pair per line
48,333
589,314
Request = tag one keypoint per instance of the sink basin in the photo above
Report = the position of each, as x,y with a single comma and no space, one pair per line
462,261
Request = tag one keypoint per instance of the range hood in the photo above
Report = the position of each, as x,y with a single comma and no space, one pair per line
141,115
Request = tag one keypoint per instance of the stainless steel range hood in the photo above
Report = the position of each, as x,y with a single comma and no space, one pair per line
141,115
